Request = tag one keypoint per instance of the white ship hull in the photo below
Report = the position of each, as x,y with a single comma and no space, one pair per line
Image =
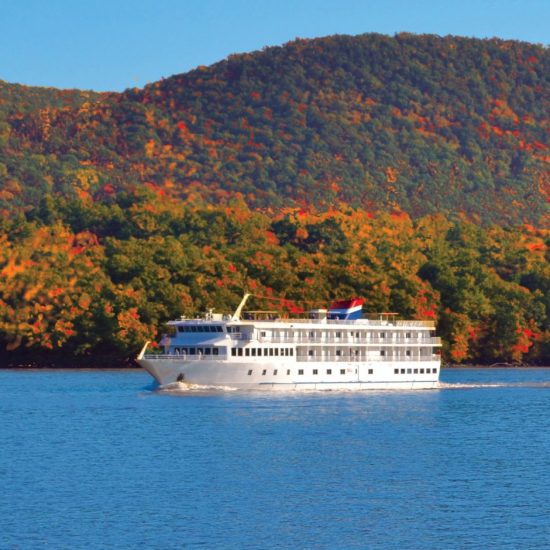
236,375
324,351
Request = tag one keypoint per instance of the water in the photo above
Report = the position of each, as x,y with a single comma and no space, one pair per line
94,459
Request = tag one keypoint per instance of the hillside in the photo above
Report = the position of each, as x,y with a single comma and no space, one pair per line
411,171
418,123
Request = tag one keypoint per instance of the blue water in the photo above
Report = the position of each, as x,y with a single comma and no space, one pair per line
94,459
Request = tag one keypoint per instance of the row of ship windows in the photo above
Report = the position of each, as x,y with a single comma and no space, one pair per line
196,351
356,352
414,371
200,328
343,371
257,352
301,372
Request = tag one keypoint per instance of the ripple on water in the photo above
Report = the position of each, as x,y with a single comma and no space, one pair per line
104,459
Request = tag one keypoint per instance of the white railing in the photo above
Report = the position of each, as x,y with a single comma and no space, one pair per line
305,340
364,359
182,356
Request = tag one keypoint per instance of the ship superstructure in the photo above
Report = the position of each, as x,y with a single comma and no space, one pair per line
331,349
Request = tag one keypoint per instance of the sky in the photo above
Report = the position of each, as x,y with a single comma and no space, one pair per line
111,45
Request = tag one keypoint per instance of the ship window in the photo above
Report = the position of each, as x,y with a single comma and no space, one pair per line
275,372
277,352
434,371
262,333
310,352
408,352
250,373
402,371
215,351
263,372
338,352
311,335
253,352
415,371
383,352
271,351
233,351
395,371
219,328
408,335
371,371
421,371
315,371
409,371
193,329
207,351
301,371
342,371
247,352
382,335
180,329
240,352
288,372
338,335
291,351
186,329
191,351
329,371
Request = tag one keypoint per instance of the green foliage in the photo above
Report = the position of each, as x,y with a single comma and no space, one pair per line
410,170
81,292
426,123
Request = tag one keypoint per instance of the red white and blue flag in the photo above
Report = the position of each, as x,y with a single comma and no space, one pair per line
346,309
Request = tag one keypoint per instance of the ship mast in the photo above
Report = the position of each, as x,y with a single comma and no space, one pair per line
237,315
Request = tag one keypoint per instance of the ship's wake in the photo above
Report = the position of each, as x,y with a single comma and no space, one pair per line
185,387
178,388
474,385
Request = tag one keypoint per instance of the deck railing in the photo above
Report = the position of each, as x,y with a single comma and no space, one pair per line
306,339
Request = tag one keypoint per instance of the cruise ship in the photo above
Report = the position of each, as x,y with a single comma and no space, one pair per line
332,349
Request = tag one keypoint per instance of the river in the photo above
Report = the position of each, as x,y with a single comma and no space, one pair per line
102,459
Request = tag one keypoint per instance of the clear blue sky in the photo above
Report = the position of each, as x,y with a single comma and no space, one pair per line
118,44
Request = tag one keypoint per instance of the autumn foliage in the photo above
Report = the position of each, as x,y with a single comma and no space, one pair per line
413,171
91,292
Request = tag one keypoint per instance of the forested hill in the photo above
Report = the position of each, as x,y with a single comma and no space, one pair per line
410,171
421,124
